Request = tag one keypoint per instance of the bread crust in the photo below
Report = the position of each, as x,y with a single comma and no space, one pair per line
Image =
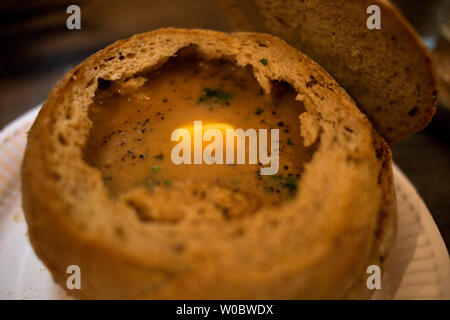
388,71
317,246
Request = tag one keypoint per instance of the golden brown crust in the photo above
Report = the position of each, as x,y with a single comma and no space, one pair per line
387,218
388,72
316,246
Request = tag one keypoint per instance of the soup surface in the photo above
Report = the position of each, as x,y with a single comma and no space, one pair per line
133,120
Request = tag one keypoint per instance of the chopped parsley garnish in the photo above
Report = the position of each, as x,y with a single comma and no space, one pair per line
276,181
258,111
275,177
159,156
156,169
263,61
291,184
289,142
150,183
219,94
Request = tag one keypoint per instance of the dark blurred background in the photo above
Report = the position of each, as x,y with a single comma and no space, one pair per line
37,49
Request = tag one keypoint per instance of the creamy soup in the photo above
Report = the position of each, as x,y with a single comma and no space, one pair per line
130,141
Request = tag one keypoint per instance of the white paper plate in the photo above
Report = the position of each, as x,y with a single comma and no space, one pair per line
418,267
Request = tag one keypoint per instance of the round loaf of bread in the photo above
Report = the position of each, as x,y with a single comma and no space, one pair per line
316,245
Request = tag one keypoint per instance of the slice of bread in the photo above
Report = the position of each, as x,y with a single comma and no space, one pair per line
442,57
388,71
317,245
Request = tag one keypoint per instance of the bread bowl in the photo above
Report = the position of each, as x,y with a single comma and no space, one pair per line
164,242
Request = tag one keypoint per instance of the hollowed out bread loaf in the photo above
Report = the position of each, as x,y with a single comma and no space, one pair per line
387,71
318,245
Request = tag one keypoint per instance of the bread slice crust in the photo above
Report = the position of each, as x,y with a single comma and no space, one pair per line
316,246
388,71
